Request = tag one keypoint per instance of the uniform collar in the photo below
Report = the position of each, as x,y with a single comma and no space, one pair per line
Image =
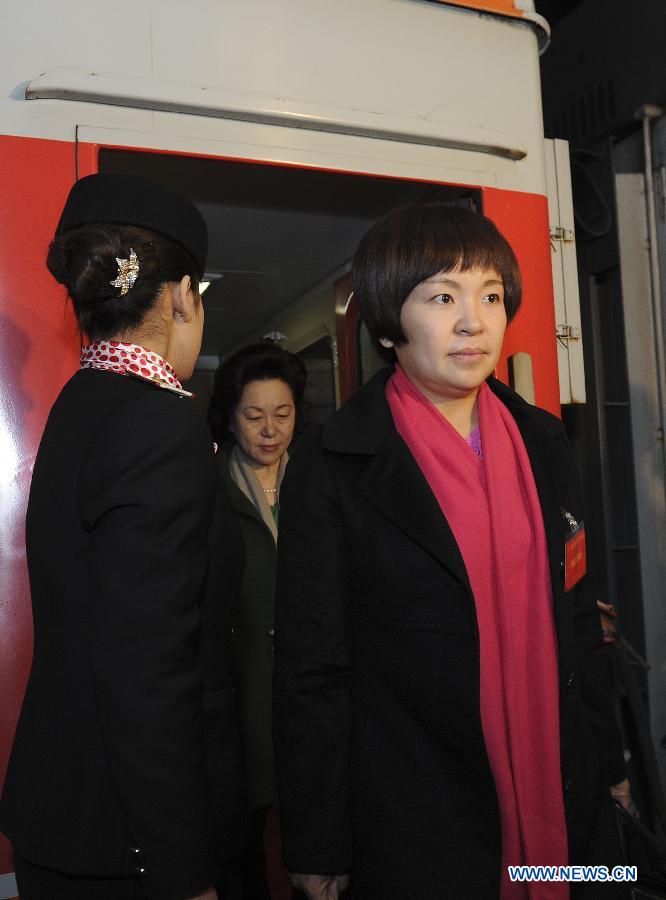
134,360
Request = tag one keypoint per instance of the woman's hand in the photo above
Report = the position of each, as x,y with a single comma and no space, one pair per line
320,887
210,894
608,616
622,793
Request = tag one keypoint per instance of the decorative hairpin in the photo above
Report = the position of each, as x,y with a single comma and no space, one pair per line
128,272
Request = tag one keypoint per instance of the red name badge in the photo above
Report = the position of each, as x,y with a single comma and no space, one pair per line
575,562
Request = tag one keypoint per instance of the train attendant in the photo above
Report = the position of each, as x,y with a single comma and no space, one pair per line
441,710
256,404
124,777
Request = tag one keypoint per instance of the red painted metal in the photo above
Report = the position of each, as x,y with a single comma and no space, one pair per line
500,7
87,159
523,220
39,349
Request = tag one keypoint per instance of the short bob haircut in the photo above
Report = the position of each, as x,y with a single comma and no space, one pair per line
415,242
254,362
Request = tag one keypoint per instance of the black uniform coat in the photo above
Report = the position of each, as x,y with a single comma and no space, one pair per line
253,646
126,740
381,764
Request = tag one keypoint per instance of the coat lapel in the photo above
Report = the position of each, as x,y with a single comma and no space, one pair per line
548,491
395,485
539,433
392,481
241,503
550,499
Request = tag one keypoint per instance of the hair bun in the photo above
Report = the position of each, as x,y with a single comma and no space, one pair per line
84,260
84,265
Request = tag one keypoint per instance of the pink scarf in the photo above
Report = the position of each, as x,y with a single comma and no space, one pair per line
493,509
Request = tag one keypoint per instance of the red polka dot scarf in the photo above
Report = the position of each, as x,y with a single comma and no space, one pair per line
130,359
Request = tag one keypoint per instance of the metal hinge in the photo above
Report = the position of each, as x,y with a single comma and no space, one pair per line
567,332
565,235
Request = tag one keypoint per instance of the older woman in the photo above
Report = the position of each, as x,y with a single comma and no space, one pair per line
441,710
255,407
123,780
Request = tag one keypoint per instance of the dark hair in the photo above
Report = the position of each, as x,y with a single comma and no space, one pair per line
255,362
415,242
84,260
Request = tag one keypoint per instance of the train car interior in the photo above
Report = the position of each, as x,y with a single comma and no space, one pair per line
281,243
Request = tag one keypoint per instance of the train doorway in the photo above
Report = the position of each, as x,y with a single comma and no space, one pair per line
281,243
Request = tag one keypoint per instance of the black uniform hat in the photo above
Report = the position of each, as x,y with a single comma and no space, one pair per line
131,200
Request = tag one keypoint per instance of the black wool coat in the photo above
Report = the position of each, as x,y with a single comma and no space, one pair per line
253,646
126,756
381,764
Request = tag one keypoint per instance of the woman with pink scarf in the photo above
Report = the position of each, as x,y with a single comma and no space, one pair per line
441,709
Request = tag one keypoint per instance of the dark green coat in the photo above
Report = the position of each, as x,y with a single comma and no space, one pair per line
253,646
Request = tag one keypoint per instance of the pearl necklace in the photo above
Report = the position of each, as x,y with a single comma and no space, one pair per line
269,490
